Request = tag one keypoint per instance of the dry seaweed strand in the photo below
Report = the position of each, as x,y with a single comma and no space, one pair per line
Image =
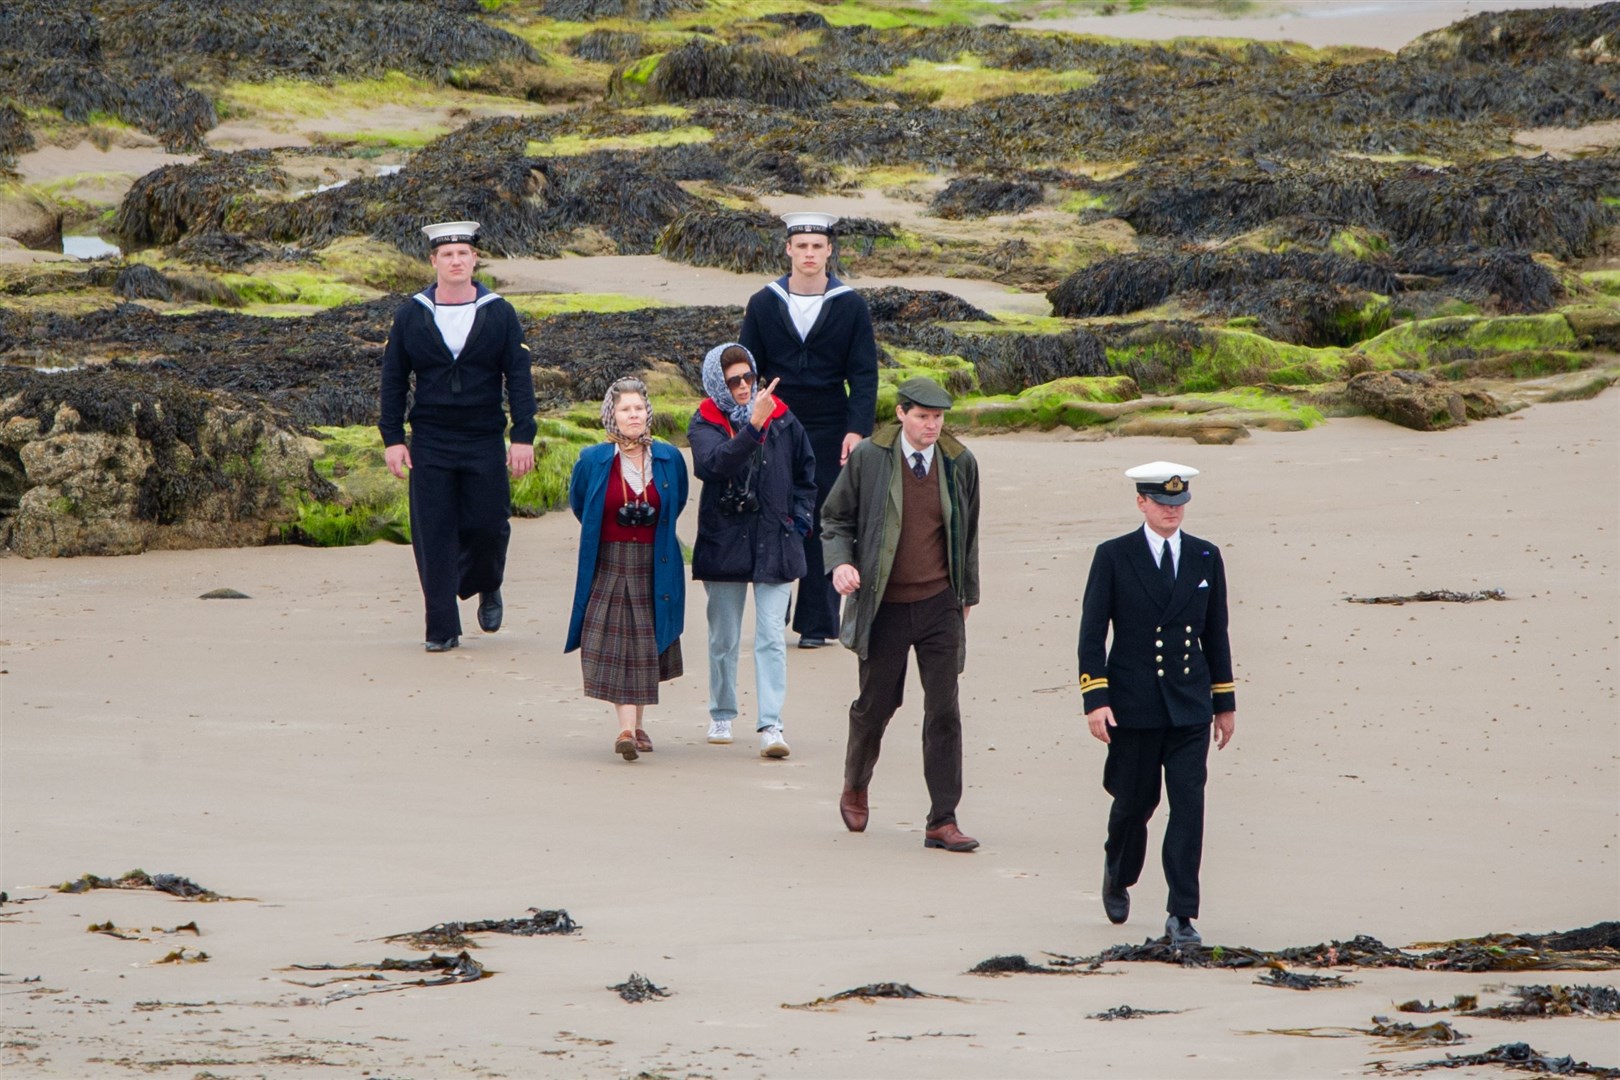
1278,976
1127,1012
1520,1057
453,935
1438,596
1460,1003
1537,1002
638,989
173,884
461,968
871,992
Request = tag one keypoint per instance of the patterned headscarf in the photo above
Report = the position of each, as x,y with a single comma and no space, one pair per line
714,383
627,385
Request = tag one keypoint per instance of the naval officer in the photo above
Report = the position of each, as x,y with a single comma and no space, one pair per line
1158,691
812,334
455,349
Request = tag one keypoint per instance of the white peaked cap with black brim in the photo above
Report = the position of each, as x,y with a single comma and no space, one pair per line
1164,482
451,232
809,222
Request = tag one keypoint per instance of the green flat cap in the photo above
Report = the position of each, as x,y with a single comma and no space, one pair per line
925,392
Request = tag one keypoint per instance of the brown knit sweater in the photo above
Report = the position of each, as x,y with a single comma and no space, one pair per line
921,568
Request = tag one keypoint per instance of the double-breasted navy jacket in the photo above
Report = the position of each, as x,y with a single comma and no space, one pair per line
1170,662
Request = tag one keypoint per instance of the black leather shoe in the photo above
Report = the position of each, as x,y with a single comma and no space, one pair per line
812,642
1116,901
490,611
1181,932
442,646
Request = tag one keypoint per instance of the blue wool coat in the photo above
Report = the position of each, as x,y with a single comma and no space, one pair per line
587,488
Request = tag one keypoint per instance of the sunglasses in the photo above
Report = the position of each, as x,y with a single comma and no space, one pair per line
745,379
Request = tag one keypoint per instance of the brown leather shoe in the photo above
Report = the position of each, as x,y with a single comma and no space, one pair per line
852,805
949,837
643,741
625,745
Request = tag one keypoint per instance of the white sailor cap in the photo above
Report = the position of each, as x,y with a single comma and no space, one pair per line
809,222
1164,482
451,232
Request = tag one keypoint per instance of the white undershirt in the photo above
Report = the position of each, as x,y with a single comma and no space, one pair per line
805,310
1156,544
455,323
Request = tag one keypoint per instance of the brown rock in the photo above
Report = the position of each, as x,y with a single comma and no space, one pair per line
1411,399
29,219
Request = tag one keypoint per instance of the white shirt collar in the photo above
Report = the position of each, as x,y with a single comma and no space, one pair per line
1156,544
907,449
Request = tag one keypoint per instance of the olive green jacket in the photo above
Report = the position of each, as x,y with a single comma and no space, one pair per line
860,525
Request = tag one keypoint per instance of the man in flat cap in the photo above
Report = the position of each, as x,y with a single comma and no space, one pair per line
901,533
1156,694
813,333
454,351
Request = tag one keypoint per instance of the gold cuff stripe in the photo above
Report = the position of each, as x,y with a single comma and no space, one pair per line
1223,688
1087,684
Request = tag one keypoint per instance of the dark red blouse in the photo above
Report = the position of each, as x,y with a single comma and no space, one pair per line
617,489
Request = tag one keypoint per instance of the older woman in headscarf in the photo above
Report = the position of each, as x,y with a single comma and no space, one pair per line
758,504
630,587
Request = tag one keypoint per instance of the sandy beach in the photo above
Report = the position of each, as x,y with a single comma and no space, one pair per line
1415,773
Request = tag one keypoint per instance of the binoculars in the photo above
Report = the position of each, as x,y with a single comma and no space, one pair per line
739,502
637,515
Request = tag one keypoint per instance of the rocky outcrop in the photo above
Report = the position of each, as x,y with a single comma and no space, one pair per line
141,468
28,219
1418,400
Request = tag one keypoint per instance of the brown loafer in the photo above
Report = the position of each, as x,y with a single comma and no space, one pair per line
852,805
625,745
643,741
949,837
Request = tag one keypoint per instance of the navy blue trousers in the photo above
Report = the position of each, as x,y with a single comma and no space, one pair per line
816,612
1136,759
460,503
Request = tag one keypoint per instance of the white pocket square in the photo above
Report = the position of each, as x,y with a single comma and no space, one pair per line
1204,584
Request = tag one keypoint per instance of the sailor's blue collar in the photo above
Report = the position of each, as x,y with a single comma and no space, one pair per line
834,287
482,295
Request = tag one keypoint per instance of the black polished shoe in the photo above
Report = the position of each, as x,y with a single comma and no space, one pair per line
1181,932
442,646
1116,901
490,611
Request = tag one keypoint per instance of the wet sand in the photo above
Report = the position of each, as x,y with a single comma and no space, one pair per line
1415,773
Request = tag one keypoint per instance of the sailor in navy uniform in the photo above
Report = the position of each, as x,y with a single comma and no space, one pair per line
454,349
814,334
1158,691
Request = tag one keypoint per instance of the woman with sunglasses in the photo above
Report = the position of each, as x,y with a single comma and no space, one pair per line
630,586
757,506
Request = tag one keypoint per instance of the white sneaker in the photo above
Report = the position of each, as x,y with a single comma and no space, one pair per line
771,743
720,732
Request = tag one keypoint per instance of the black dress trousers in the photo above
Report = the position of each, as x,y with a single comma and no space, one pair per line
933,627
460,504
1136,758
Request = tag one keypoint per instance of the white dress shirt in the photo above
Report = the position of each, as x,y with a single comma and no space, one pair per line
1156,545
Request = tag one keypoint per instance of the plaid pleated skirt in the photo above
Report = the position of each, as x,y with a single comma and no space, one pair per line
618,648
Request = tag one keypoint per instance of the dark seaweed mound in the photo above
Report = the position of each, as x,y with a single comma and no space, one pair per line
132,58
702,69
614,46
592,10
977,196
167,203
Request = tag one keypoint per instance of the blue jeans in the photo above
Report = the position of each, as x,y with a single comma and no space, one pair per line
726,600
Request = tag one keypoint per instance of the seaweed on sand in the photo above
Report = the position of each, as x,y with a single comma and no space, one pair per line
1544,1001
743,241
170,202
1400,1033
1520,1057
461,968
705,69
1127,1012
615,46
1279,976
1018,964
594,10
980,196
1592,948
453,935
1534,204
638,988
1442,596
869,993
1459,1003
173,884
